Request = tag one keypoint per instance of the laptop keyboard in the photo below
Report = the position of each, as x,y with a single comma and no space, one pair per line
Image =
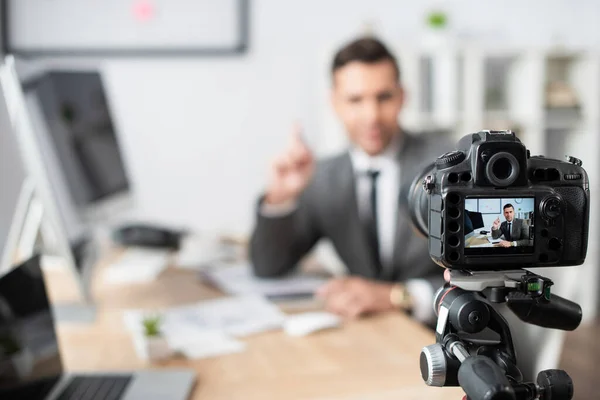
96,387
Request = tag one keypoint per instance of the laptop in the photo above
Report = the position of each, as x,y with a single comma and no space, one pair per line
30,361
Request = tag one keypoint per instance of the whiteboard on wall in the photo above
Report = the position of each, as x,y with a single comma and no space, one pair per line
490,206
124,27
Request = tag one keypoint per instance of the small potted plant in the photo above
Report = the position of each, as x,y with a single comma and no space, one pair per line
156,344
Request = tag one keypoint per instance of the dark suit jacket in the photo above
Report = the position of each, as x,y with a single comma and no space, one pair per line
519,234
328,208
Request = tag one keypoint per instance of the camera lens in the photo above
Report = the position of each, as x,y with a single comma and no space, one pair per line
502,169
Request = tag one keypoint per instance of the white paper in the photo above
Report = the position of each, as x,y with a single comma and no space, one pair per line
489,238
203,344
237,316
207,329
137,266
187,340
238,279
306,323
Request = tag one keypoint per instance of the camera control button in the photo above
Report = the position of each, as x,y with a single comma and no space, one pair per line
574,160
433,365
429,183
572,177
551,207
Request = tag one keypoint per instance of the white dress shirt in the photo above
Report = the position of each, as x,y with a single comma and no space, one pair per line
388,191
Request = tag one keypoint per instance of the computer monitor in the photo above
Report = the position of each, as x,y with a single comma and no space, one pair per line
18,214
58,235
476,219
75,123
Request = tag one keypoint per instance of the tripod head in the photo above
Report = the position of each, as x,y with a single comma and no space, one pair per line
474,347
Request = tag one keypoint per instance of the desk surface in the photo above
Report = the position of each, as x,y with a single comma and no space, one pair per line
479,241
371,358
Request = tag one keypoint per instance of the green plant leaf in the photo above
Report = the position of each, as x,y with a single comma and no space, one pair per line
437,19
152,325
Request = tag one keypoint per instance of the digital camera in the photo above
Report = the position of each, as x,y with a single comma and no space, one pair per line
489,205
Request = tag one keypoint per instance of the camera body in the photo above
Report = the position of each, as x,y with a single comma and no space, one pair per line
494,207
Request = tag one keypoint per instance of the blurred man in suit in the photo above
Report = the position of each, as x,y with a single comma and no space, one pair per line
514,230
356,199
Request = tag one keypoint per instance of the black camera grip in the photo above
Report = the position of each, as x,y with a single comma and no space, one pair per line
482,379
558,313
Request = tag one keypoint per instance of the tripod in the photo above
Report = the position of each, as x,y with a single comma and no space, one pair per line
474,347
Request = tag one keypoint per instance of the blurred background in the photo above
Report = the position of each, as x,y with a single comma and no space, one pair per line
202,94
190,123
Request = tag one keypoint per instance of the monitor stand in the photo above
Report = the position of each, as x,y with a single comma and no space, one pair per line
74,313
78,261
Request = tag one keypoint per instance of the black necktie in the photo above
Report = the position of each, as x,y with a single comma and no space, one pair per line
508,233
371,222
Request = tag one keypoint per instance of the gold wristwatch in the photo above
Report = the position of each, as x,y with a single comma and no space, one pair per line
400,298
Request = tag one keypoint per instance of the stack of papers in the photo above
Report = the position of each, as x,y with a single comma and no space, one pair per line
237,316
208,328
238,279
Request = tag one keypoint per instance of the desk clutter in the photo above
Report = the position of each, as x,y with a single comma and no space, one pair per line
215,327
143,264
238,279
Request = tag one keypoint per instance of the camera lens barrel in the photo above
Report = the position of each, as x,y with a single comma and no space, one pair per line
418,201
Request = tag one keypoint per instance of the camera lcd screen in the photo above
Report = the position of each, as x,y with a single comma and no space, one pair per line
499,225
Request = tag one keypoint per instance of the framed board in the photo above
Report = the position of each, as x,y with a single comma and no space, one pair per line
32,28
490,206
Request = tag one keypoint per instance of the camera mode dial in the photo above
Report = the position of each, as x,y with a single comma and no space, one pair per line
450,159
574,160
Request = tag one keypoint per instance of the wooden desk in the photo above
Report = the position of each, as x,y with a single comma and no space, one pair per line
372,358
479,240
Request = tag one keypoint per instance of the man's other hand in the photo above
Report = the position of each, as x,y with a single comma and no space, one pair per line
352,297
291,171
504,243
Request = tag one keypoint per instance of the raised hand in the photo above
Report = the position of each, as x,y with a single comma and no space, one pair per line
291,171
496,225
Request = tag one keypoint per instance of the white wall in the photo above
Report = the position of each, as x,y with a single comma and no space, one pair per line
199,133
